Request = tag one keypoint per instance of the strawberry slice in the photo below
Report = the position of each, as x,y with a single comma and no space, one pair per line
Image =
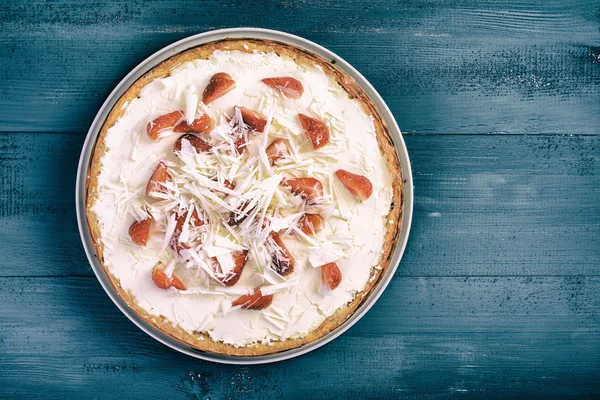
316,131
311,224
253,119
331,275
239,259
219,84
139,231
197,143
162,281
195,221
288,86
158,180
177,283
360,186
239,216
237,136
228,184
308,188
163,122
176,245
283,261
239,142
254,301
278,149
201,125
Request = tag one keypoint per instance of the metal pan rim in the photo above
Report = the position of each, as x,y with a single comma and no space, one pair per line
183,45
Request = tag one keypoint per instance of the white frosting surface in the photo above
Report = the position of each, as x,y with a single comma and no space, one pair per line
353,235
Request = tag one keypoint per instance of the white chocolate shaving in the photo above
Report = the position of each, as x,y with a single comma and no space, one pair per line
352,236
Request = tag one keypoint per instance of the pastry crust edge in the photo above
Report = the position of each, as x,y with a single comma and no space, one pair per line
200,340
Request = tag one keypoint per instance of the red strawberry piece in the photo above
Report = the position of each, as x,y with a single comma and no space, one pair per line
239,259
176,245
139,231
197,143
278,148
201,125
316,131
239,143
331,275
228,184
219,84
157,181
177,283
283,261
308,188
163,122
162,281
360,186
311,224
253,119
289,87
238,138
237,217
254,301
195,221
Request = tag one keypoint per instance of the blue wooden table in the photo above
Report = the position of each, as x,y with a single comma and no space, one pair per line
498,293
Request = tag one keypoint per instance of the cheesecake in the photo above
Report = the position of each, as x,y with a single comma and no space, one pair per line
244,197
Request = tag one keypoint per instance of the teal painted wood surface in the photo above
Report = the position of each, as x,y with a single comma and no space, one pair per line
442,66
485,205
497,294
442,337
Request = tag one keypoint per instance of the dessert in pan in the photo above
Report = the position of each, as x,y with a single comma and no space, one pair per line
244,197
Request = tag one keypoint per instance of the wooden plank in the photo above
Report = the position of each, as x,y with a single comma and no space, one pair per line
434,337
485,205
38,228
497,294
444,67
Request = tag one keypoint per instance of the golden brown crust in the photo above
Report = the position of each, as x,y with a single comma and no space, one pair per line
200,340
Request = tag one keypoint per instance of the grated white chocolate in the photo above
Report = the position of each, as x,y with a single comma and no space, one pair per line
352,237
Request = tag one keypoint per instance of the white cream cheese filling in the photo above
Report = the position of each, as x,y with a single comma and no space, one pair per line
353,236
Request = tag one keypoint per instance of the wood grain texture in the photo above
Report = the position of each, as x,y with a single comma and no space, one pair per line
497,294
491,337
442,66
485,205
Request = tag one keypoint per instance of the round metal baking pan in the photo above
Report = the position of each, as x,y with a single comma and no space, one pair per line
170,51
